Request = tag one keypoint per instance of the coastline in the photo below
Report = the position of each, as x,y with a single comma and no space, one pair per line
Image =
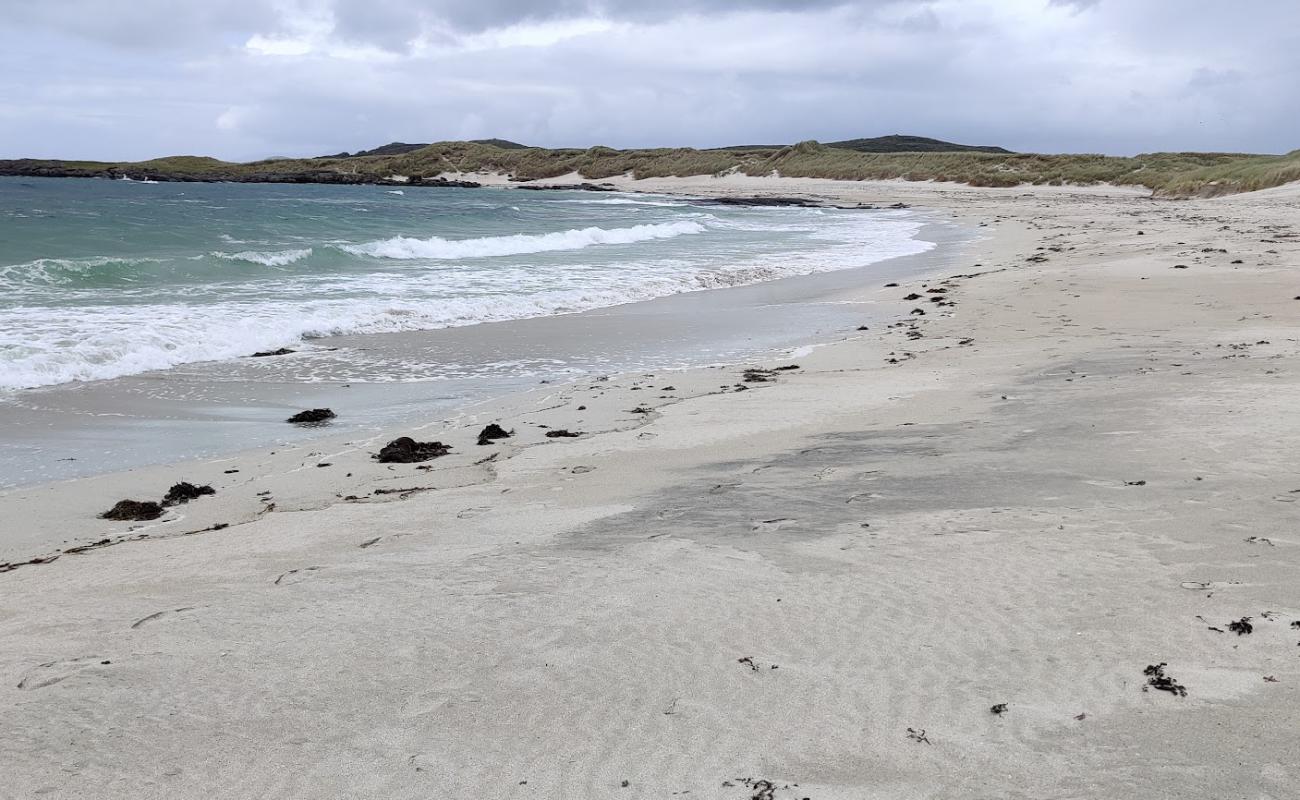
764,320
1033,504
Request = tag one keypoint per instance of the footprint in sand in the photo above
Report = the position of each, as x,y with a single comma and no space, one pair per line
53,672
296,576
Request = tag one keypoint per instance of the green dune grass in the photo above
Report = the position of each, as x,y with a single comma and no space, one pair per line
1165,174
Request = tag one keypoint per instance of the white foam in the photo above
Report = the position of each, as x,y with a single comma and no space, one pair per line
274,258
54,271
404,247
47,343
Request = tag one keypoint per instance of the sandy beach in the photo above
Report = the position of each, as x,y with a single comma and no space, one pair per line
1033,536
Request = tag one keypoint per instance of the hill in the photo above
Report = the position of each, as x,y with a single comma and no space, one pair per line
898,143
400,148
1165,174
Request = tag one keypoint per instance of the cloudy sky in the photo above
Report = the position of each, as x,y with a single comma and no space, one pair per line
244,79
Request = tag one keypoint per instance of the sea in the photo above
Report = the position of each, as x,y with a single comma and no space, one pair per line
131,312
106,278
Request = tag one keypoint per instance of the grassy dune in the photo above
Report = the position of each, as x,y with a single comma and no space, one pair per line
1166,174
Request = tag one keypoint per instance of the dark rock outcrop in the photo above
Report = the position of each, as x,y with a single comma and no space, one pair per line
568,187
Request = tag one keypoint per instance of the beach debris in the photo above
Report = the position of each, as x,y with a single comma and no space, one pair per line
283,351
159,615
1135,483
1180,266
1270,679
912,296
1259,540
405,450
561,433
640,410
1241,627
295,576
493,431
918,736
314,416
890,285
1157,679
184,492
133,511
10,566
763,790
786,368
1081,717
863,328
748,661
1000,708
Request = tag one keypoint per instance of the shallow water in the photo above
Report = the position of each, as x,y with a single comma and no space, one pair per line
101,279
377,380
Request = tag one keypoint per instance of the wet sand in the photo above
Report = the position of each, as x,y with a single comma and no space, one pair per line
826,578
214,409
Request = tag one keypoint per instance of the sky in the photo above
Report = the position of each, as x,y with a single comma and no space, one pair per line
247,79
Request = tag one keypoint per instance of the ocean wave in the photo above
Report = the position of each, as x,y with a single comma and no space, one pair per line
58,271
273,258
403,247
50,341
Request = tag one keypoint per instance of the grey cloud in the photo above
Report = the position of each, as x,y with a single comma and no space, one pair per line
1138,76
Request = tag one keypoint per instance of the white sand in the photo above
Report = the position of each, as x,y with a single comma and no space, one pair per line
893,546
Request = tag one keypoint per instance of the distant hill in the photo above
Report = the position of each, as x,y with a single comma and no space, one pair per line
504,144
390,149
898,143
1167,174
402,148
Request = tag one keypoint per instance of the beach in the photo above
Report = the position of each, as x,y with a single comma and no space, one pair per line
1031,534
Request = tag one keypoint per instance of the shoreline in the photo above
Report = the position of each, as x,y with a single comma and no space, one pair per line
826,581
857,287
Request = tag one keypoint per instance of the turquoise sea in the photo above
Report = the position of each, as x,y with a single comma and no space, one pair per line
101,279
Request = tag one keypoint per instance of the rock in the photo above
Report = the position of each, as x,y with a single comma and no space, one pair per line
283,351
799,202
133,511
406,450
912,296
567,187
313,416
184,492
493,431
